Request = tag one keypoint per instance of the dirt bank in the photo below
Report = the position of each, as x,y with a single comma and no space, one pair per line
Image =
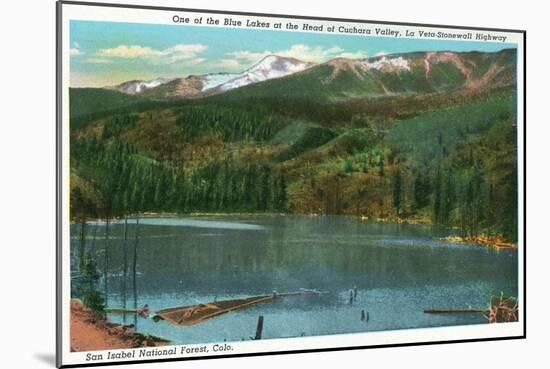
89,333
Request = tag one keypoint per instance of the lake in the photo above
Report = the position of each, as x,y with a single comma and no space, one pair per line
398,269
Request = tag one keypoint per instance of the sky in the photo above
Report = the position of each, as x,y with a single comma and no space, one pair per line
109,53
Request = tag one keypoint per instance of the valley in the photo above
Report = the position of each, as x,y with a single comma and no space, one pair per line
423,137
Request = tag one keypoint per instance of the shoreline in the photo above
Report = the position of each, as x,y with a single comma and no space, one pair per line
497,242
494,242
91,333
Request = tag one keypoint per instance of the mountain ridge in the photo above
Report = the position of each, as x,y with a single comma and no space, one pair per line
426,71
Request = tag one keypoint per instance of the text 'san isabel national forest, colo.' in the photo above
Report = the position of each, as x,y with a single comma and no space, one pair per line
232,184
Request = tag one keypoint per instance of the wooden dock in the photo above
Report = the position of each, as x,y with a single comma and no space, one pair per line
194,314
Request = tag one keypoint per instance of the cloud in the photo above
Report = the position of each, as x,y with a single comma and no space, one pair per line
246,56
351,55
98,61
231,64
129,52
302,52
196,61
174,54
75,51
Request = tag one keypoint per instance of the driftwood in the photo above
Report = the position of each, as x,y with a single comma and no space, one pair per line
144,311
194,314
453,310
501,309
121,311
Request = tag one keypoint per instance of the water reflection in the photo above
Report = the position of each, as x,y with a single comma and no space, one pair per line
399,270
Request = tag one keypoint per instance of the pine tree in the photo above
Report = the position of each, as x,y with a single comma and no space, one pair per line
421,190
397,191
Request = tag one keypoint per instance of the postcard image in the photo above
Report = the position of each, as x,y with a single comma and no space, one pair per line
236,184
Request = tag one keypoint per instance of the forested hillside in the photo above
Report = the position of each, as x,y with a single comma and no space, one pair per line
332,139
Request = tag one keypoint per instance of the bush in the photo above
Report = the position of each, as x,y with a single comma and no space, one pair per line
93,300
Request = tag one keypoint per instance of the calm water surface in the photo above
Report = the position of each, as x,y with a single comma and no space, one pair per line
398,269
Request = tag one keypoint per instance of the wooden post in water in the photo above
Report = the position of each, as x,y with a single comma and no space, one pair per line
134,270
106,262
125,269
362,315
259,328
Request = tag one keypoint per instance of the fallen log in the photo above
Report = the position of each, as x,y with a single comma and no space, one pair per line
121,311
501,309
194,314
453,310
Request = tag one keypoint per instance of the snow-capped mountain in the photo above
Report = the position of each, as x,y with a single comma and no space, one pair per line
214,80
194,86
386,64
405,73
136,87
270,67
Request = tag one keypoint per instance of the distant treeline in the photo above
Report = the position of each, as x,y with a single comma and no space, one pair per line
128,184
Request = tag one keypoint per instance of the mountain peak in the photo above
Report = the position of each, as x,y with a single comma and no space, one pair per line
280,63
274,58
270,67
389,64
271,58
135,86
